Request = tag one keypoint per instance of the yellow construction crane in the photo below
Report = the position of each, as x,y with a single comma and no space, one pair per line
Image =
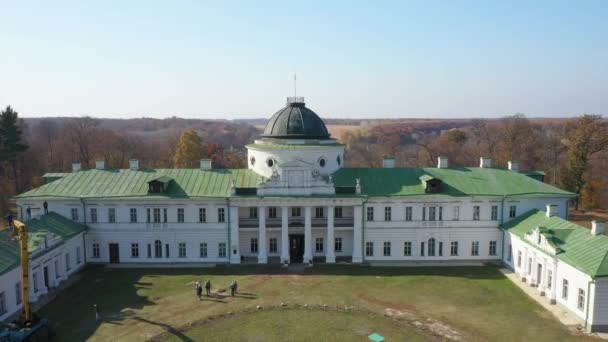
20,232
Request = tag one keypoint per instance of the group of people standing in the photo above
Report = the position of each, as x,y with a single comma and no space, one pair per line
199,289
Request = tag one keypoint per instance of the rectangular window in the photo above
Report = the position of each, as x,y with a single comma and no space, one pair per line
156,215
272,212
35,281
387,248
422,248
253,212
432,211
440,218
133,215
456,213
581,300
2,303
149,250
475,248
319,245
95,250
440,248
74,212
165,215
370,213
181,248
93,215
494,213
67,261
253,245
296,212
338,212
167,254
338,245
454,248
18,297
369,248
319,212
518,258
423,213
529,266
510,254
565,289
476,213
222,250
273,248
180,215
408,213
221,216
148,215
78,260
512,211
202,215
203,249
407,248
492,248
112,215
134,250
387,213
158,249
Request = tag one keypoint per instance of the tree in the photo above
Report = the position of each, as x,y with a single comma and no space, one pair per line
83,134
11,142
587,136
189,150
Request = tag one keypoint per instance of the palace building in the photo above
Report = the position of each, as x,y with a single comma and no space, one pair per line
296,202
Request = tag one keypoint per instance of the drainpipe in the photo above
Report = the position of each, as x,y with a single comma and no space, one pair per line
587,300
229,247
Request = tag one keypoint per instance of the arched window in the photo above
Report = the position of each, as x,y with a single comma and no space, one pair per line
158,249
431,247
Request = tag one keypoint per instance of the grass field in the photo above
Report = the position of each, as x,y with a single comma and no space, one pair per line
326,302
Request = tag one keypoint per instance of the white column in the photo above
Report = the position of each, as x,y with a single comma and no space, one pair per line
235,250
307,234
284,235
358,234
262,257
330,256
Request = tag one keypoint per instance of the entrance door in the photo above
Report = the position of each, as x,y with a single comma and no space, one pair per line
114,254
296,248
45,270
539,274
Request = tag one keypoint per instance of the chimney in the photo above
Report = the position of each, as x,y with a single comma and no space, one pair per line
442,162
100,164
388,162
598,227
76,167
485,162
551,210
205,164
513,165
133,164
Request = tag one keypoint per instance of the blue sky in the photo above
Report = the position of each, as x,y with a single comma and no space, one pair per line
231,59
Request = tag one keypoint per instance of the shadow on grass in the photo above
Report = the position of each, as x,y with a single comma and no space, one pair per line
169,329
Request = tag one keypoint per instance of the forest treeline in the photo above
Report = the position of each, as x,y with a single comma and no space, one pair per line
572,152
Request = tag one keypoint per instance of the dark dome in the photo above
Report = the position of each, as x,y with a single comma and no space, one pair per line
295,121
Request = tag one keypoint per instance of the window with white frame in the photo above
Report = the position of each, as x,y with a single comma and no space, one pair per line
494,213
134,250
181,250
272,245
476,213
370,213
518,258
156,215
422,248
149,250
456,216
408,213
565,289
338,212
202,215
2,303
475,248
35,281
440,216
203,249
387,214
407,248
319,212
319,244
423,213
431,246
253,245
165,216
492,248
18,295
74,213
454,248
512,211
93,215
180,215
167,250
338,245
67,261
369,248
221,216
296,211
387,248
440,249
158,249
272,212
95,250
432,213
253,212
221,250
112,215
581,300
133,215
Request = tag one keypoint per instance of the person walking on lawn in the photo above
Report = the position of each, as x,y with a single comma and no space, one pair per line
199,289
208,287
233,288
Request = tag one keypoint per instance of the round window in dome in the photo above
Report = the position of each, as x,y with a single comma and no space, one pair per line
252,161
322,162
338,160
270,162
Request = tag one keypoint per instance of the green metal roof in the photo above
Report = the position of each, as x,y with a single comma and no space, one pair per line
456,182
37,230
134,183
583,251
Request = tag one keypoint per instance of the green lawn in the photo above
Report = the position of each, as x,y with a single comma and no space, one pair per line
471,303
